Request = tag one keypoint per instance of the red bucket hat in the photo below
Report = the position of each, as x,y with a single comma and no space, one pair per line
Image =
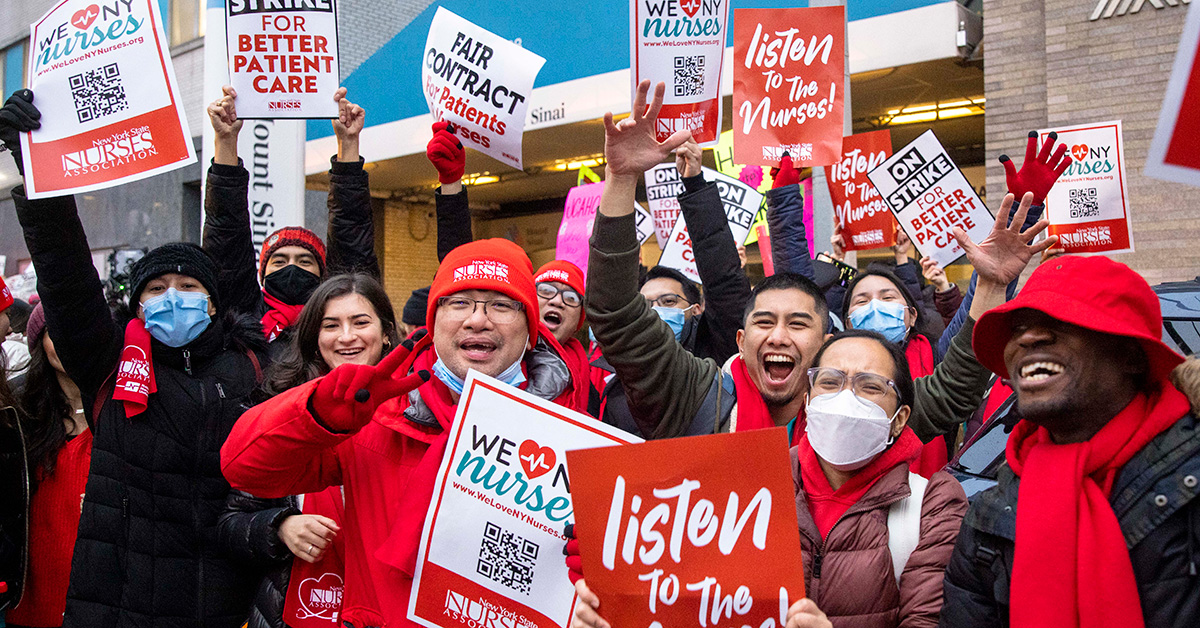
492,264
291,236
562,271
1095,293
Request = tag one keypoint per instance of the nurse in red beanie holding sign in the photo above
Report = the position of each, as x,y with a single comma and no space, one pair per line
381,430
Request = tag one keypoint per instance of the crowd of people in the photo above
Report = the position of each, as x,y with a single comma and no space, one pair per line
239,426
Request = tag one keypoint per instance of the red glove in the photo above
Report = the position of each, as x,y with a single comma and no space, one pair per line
785,174
446,153
1039,172
574,560
346,398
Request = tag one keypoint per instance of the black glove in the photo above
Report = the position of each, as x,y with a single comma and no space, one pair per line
17,116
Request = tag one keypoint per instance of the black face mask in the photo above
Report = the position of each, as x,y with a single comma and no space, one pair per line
291,284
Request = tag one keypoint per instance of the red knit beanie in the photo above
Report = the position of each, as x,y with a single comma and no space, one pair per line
6,297
493,264
563,271
291,236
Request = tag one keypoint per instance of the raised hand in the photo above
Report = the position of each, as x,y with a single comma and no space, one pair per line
935,274
446,153
308,536
585,615
222,113
902,246
347,126
687,158
346,398
785,174
18,115
571,551
630,146
1005,252
838,244
1040,169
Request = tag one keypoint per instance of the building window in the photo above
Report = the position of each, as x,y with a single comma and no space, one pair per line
12,68
184,19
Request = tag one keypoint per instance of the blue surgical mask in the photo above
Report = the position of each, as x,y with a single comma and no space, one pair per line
673,317
513,375
883,317
176,318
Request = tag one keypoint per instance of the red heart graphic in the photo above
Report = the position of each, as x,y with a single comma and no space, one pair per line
535,459
1079,152
690,7
321,598
83,18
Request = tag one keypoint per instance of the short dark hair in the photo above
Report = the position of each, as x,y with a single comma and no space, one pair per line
903,376
691,291
790,281
18,315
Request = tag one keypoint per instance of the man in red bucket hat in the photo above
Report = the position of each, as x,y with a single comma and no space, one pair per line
1094,520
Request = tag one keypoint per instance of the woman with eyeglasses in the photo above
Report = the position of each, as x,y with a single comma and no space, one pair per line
560,290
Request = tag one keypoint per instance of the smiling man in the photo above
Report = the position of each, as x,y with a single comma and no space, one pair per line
1094,520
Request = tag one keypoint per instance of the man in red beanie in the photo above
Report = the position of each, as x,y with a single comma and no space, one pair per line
1094,521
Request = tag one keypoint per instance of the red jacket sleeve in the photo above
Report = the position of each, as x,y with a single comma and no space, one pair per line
278,449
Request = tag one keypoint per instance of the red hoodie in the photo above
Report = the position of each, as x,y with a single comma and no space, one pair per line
277,448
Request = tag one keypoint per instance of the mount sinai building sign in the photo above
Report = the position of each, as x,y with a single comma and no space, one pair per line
1110,8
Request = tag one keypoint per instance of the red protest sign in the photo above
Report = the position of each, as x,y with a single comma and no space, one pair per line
788,78
863,217
690,531
1174,153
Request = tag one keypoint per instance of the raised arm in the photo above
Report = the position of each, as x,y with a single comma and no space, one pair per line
227,236
351,234
785,219
447,154
726,287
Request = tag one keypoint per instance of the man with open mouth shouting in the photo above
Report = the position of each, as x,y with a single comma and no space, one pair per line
1094,519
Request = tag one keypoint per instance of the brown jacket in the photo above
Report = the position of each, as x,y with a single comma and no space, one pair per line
850,575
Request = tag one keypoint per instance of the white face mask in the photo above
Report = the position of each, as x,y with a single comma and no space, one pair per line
846,431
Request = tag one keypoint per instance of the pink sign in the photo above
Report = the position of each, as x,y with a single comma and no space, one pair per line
576,228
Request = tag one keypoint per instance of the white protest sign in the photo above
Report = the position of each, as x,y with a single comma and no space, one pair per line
663,188
479,81
493,536
111,110
683,44
740,202
1088,206
643,223
930,196
283,57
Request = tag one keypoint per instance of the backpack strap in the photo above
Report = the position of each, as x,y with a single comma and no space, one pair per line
107,387
904,524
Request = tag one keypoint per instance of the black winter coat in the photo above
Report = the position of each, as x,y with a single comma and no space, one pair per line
1154,498
147,552
14,508
249,528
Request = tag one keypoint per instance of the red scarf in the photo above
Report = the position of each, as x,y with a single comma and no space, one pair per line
135,372
1071,567
575,355
934,454
279,316
752,412
828,505
301,609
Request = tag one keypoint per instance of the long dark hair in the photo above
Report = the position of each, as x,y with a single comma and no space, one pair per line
921,324
47,411
301,361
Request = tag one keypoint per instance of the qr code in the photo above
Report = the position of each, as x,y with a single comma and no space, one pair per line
98,93
1084,203
689,76
507,558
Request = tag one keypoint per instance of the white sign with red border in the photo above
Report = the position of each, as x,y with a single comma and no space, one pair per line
1088,206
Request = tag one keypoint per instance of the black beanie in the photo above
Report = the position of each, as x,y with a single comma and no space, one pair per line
416,307
177,257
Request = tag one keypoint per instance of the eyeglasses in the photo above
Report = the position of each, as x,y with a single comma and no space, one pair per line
826,380
500,311
548,291
668,300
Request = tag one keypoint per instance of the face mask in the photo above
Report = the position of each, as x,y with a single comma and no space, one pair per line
291,284
673,317
846,431
176,318
879,316
513,375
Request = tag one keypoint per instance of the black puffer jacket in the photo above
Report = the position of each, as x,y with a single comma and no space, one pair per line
14,507
1154,498
147,552
249,528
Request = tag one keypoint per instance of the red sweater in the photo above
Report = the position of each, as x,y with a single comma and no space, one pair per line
53,525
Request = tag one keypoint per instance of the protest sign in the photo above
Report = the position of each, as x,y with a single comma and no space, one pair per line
663,187
493,535
862,217
479,81
283,58
575,230
1174,152
788,76
930,196
689,531
740,203
111,111
643,222
1088,206
683,44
